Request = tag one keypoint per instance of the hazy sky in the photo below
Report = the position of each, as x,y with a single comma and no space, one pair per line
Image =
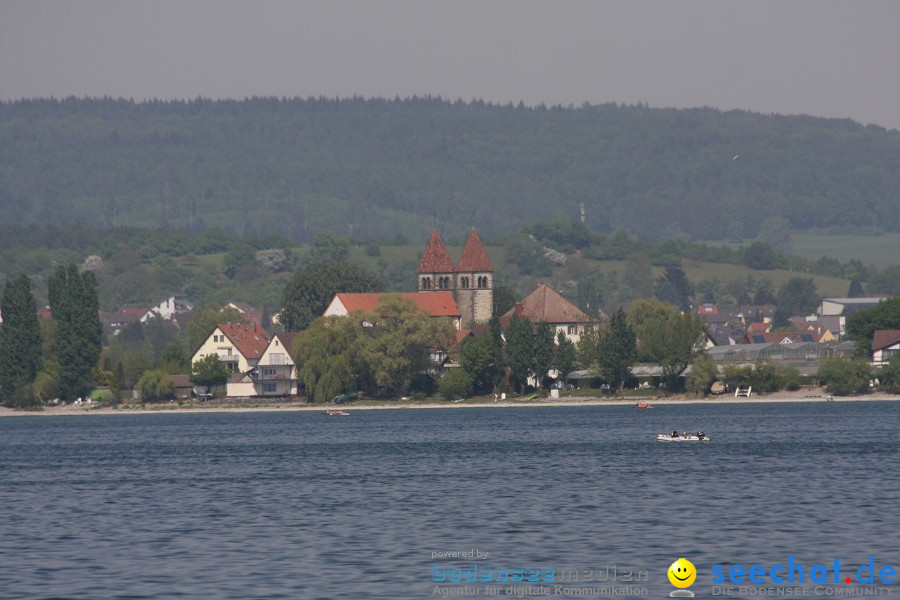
819,57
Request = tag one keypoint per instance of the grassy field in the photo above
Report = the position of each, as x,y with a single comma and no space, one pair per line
880,250
696,271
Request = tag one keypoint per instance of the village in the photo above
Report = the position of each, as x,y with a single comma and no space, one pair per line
256,360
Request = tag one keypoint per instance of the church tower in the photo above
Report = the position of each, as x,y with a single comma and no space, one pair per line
436,271
474,283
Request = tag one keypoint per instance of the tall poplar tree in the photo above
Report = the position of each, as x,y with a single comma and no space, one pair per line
79,333
565,356
544,346
20,342
617,351
519,350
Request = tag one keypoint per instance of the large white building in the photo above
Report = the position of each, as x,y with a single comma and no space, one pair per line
239,346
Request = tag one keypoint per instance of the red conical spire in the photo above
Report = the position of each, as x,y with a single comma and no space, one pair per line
474,257
435,259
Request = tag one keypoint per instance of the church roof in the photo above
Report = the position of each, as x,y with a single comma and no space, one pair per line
543,304
435,259
474,257
436,304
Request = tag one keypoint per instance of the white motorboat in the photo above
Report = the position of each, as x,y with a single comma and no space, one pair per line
667,437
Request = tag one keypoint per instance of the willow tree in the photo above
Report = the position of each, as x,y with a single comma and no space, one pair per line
398,339
327,355
383,348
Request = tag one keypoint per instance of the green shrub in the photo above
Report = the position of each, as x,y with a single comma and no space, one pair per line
455,384
790,378
844,377
155,385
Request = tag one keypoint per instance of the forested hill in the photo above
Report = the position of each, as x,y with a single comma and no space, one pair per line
381,167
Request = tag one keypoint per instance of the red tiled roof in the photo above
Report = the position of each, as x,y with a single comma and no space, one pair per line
435,259
884,338
462,334
474,257
815,326
759,327
777,337
543,304
250,339
436,304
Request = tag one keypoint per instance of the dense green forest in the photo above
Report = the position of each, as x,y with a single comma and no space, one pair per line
375,167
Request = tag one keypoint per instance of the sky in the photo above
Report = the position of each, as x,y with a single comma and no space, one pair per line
828,58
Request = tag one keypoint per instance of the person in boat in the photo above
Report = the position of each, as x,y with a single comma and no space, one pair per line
700,435
675,433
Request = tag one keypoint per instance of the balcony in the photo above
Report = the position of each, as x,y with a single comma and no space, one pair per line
270,373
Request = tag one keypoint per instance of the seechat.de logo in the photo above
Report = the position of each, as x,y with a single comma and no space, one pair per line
794,572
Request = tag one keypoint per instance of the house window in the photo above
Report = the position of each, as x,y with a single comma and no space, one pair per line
269,387
886,355
276,358
573,329
269,371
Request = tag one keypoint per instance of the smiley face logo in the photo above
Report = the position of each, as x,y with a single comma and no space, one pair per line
682,573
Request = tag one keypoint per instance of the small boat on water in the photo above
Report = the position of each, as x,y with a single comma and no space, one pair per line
643,405
684,437
337,413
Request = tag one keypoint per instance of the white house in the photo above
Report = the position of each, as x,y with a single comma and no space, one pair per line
169,307
885,345
239,346
544,304
276,373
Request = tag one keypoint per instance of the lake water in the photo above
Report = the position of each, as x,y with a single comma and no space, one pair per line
300,505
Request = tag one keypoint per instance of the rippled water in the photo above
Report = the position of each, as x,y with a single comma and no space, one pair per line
299,505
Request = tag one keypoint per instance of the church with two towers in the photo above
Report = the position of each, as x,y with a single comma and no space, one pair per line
471,280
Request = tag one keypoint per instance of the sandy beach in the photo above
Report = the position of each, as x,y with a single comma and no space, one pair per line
280,406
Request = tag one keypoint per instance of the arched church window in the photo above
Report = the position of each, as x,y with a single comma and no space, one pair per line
464,283
426,283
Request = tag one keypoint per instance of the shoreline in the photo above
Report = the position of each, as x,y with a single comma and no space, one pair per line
168,408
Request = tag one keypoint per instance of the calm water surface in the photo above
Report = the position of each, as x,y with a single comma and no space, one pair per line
299,505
